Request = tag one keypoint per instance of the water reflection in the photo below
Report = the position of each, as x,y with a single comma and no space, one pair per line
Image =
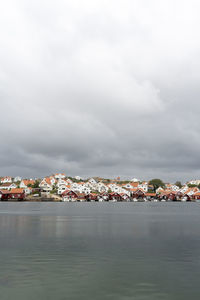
102,251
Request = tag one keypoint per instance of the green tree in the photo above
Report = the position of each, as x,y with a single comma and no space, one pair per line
192,185
36,184
179,184
156,183
54,190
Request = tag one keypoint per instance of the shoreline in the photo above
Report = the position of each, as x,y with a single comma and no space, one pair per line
53,200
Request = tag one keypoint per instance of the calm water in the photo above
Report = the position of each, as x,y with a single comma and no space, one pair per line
99,251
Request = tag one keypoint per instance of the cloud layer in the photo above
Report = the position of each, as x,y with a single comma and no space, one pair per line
100,88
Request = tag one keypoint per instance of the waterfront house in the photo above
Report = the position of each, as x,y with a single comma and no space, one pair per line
171,195
72,196
115,197
80,197
150,196
91,197
17,194
179,196
12,195
69,196
168,195
187,197
28,190
103,196
196,195
138,193
124,196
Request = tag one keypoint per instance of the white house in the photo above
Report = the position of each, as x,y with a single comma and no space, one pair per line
62,188
46,185
6,179
196,182
116,188
92,181
60,176
80,188
159,190
143,186
184,189
102,188
61,182
28,190
63,185
8,186
17,179
175,188
26,182
134,180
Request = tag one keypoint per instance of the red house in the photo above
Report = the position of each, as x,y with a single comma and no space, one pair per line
12,195
115,196
91,197
70,195
138,194
196,196
150,195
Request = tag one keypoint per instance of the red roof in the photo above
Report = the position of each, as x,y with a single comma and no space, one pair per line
17,191
28,181
134,184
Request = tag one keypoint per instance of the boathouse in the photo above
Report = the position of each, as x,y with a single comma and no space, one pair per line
12,195
70,195
138,194
115,196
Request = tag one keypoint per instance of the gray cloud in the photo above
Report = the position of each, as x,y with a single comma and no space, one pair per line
98,88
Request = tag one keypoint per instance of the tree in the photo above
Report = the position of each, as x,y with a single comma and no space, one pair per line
190,185
156,183
179,184
36,184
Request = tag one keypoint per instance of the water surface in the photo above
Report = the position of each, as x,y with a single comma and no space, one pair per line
99,251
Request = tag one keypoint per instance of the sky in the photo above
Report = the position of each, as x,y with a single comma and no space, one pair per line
100,88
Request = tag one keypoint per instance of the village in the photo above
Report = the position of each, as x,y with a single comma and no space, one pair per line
59,187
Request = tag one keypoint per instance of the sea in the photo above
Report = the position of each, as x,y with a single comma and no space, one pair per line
99,251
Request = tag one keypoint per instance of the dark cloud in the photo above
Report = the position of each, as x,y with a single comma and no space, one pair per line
98,88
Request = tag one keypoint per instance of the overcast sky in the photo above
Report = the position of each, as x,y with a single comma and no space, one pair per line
96,87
